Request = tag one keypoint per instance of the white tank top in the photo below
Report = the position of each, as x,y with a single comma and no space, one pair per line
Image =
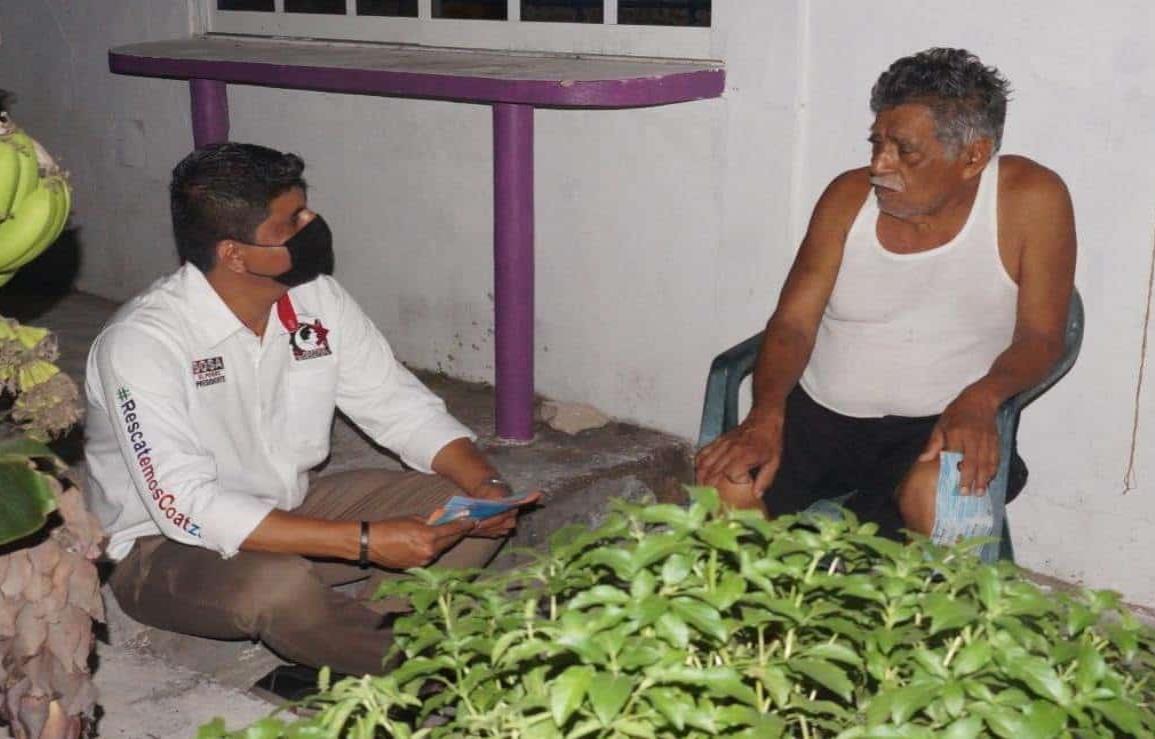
903,334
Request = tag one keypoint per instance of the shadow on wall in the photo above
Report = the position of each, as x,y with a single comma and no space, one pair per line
40,285
34,290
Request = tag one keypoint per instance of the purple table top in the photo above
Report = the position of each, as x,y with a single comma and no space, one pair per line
447,74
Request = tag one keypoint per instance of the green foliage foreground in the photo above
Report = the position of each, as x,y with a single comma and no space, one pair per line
668,621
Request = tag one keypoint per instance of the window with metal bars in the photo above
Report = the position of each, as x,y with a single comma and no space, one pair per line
676,28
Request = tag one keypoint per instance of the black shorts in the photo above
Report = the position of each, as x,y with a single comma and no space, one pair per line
828,455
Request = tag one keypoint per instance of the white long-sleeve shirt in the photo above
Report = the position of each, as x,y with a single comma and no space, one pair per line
197,427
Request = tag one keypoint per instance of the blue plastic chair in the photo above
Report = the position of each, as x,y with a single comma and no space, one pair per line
731,367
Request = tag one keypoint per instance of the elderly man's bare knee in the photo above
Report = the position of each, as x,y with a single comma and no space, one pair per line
916,497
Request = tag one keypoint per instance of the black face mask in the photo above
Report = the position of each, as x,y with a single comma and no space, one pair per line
310,253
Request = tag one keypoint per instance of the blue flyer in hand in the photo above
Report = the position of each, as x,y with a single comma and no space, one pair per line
958,516
459,507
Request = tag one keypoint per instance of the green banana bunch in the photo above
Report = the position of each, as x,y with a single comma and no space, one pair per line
35,199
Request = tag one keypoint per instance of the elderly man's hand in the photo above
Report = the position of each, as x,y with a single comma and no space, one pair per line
740,495
754,443
968,426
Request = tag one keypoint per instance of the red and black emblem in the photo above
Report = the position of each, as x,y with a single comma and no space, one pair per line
308,340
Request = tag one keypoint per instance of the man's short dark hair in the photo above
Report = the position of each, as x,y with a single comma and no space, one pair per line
968,99
223,191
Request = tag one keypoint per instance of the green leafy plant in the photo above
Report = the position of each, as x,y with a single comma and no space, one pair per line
24,514
691,622
49,589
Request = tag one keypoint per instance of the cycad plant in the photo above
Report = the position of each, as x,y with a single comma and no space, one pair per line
48,541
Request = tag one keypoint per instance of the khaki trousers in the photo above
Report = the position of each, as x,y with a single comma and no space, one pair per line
287,601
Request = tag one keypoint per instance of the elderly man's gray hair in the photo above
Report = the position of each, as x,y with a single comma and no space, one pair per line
968,99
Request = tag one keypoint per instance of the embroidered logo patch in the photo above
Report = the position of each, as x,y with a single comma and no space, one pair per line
209,371
310,340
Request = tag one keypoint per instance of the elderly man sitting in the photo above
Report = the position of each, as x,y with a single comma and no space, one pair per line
931,286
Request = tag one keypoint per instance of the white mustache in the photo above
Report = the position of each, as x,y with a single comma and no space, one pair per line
890,183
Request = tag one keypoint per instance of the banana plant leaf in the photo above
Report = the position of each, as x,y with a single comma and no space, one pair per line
27,496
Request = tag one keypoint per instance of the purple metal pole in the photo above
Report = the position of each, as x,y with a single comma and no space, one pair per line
513,269
210,111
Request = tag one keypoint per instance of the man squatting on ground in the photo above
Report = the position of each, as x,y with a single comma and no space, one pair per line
931,286
211,396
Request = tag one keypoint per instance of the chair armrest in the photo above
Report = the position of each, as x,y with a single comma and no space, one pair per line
720,409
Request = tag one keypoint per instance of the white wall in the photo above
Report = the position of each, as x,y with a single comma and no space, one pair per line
118,136
662,234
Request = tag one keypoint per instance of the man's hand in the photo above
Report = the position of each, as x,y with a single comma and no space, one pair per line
968,426
400,543
496,527
467,467
755,443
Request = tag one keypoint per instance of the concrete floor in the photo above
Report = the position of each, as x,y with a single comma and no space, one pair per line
157,684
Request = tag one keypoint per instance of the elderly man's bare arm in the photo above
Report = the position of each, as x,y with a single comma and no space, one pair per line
1037,243
789,339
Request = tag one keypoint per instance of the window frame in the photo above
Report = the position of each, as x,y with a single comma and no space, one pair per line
513,34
